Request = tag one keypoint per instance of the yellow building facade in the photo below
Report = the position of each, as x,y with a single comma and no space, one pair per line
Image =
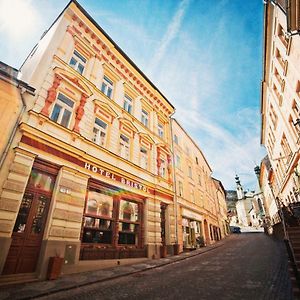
197,195
89,172
280,104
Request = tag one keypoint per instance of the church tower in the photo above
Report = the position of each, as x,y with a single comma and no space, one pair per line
239,188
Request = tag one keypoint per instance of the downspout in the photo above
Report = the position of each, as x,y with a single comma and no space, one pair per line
174,182
10,140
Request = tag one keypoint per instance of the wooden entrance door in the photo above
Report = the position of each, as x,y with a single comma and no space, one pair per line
30,223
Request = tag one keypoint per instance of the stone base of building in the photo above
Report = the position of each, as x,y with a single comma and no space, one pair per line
5,245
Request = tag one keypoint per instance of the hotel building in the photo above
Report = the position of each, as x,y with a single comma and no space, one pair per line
88,174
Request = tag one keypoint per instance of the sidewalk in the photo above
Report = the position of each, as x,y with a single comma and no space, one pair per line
42,288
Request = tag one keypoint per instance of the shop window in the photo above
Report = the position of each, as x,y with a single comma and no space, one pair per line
161,130
145,118
129,222
127,104
124,146
99,132
107,87
98,218
62,110
78,62
144,158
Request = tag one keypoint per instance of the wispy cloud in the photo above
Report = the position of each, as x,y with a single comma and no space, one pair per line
170,34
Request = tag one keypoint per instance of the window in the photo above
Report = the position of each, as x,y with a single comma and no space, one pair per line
197,162
145,118
192,195
286,148
190,172
199,179
107,87
175,139
62,110
127,105
99,132
124,146
101,217
160,130
144,158
129,222
98,222
187,150
77,62
178,162
180,188
163,168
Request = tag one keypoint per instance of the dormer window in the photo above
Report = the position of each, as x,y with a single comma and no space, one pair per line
99,132
78,62
127,105
62,110
107,87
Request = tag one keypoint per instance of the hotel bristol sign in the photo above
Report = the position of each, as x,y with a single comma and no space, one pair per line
113,176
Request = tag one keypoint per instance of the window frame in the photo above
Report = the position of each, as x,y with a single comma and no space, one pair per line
80,60
97,136
107,86
124,146
128,104
61,105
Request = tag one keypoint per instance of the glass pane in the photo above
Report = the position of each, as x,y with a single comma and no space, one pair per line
99,204
40,215
128,211
127,238
23,213
103,87
41,181
89,222
95,236
55,113
100,123
80,56
80,68
66,118
73,62
65,100
109,92
128,227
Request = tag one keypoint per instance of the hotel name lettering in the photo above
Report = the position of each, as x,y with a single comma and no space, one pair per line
115,177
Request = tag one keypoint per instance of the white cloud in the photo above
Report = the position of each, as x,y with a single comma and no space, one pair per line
170,34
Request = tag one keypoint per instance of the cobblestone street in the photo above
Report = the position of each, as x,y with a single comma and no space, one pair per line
247,266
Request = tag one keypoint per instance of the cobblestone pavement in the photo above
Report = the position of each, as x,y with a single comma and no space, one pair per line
248,266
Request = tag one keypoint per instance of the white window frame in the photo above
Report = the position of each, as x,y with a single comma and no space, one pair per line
124,146
62,105
145,118
78,62
144,158
161,131
107,87
100,132
128,104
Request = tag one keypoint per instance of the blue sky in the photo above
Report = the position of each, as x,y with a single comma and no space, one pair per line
204,56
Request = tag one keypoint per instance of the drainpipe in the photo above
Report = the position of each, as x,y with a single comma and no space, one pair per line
174,182
10,140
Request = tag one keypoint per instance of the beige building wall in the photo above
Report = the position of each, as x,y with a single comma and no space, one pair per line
280,105
198,208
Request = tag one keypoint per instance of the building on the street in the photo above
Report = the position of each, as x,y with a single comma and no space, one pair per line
231,199
222,208
89,172
280,106
197,196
